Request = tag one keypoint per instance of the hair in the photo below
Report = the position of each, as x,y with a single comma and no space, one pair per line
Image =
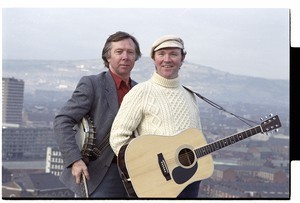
183,53
118,36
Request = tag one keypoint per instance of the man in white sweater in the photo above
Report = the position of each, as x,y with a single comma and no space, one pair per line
159,106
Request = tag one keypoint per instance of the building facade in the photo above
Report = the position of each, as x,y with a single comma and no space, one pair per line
20,144
12,101
54,161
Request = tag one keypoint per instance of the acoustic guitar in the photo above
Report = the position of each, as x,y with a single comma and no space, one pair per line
162,166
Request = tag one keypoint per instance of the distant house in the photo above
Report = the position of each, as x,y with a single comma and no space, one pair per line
239,189
224,173
266,174
273,175
261,152
42,185
226,192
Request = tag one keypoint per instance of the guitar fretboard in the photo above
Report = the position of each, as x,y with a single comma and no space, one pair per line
214,146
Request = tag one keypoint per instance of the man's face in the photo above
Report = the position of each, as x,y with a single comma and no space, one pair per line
168,62
122,57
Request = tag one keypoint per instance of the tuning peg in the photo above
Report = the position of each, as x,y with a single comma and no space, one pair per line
261,119
276,130
271,115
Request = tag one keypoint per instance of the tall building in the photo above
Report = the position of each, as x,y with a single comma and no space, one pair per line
12,101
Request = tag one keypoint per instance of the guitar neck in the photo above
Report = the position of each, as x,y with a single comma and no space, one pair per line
214,146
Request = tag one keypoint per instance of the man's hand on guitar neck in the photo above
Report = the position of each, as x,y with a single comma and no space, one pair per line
79,168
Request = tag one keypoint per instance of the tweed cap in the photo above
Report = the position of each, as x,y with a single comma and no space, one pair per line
167,41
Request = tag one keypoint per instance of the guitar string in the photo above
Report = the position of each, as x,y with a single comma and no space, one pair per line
185,156
208,149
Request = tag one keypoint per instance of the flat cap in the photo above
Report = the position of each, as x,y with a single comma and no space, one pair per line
167,41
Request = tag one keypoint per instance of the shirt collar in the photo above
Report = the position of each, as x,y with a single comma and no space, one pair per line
118,80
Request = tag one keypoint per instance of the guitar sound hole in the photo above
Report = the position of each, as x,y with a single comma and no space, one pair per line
186,157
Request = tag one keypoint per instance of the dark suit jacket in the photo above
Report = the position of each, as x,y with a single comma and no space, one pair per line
95,95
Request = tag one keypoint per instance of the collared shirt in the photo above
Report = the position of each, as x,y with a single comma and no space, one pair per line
122,87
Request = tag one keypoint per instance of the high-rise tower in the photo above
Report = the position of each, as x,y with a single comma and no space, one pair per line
12,101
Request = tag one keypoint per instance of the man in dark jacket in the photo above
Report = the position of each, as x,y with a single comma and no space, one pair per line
99,97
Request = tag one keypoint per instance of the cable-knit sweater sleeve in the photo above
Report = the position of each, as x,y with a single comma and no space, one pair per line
127,118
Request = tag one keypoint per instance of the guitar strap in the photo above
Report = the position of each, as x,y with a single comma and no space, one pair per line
128,185
98,149
244,120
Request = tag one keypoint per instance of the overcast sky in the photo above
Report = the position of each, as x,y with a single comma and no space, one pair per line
253,42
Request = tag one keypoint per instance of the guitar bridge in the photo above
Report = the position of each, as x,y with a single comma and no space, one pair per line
163,166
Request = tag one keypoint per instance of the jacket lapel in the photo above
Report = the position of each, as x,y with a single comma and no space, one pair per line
111,93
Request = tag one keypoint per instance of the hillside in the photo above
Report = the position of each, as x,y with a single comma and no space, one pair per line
214,84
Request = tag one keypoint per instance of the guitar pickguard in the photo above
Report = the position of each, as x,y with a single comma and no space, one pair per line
181,175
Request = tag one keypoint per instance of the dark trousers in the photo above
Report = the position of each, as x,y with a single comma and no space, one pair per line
191,191
111,186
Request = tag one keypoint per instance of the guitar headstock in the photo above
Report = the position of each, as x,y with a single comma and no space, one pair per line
272,123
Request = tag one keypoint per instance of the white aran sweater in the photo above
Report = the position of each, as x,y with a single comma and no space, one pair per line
158,106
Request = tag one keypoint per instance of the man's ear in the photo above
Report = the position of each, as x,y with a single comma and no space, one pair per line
183,57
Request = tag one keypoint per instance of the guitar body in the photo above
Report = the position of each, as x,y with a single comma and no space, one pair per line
162,166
